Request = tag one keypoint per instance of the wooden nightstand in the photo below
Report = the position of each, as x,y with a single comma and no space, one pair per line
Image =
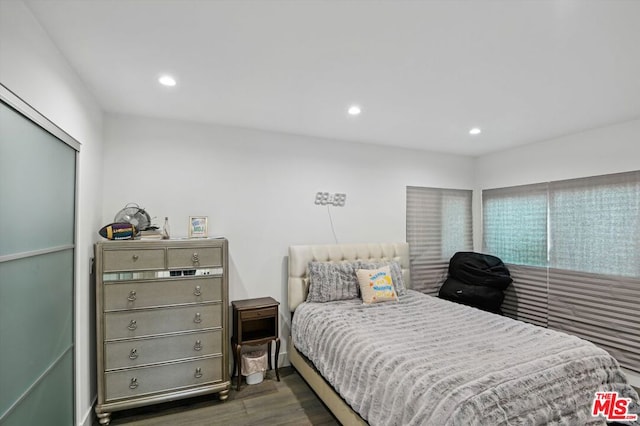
255,322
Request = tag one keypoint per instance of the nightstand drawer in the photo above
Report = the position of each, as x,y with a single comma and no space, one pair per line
259,313
146,380
196,257
131,353
138,323
123,295
133,260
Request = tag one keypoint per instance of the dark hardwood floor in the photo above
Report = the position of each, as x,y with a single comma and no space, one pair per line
288,402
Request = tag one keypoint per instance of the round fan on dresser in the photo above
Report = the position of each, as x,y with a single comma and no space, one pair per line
135,215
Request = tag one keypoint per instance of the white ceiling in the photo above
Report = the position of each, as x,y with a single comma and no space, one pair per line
424,72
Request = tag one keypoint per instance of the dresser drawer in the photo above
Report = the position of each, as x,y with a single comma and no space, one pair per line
133,260
146,380
195,257
259,313
138,323
131,353
129,295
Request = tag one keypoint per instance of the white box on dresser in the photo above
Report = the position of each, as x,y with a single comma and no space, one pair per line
161,329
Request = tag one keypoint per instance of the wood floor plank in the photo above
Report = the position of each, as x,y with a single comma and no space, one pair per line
287,402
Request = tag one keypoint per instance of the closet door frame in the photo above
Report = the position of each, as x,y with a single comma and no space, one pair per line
15,102
30,113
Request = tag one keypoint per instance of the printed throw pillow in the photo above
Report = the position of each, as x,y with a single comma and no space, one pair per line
376,285
396,273
332,281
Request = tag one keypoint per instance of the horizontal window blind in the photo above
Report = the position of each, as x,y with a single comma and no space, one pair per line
526,298
599,308
515,230
438,225
594,260
584,236
595,224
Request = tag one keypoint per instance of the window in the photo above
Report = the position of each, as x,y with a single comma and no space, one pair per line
515,230
573,248
595,224
438,225
515,224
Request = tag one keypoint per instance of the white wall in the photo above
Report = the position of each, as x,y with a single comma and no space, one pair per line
600,151
32,67
258,190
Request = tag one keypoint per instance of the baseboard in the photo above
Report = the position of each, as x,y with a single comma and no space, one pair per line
283,360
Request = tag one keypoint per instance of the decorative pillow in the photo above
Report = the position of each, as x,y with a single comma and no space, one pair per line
376,285
332,281
396,273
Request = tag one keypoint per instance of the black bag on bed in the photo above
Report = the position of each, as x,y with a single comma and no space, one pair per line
476,279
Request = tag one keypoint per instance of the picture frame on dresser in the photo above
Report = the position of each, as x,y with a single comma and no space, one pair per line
198,226
161,322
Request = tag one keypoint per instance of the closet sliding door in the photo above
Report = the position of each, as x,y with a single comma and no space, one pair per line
37,222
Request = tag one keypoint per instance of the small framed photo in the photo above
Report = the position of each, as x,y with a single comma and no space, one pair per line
198,227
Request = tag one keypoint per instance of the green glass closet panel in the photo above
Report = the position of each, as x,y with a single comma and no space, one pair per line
48,402
37,221
36,321
37,187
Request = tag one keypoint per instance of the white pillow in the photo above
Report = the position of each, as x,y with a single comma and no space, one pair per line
396,273
376,285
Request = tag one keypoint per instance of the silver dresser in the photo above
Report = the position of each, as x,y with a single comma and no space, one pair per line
162,314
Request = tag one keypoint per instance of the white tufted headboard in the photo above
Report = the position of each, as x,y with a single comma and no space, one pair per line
300,256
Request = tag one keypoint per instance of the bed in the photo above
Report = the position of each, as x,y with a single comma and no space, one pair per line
423,360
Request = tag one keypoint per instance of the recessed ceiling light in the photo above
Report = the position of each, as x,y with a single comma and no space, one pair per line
354,110
475,131
167,80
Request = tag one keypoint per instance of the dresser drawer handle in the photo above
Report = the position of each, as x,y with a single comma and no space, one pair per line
197,291
132,325
198,373
195,258
197,346
133,354
198,318
132,296
134,383
135,257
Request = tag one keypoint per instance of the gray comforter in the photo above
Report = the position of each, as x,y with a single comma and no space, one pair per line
426,361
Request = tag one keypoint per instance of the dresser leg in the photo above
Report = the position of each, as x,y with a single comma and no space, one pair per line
269,354
223,394
277,355
104,418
